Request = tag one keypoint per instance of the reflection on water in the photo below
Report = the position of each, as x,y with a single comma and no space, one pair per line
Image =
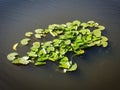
98,68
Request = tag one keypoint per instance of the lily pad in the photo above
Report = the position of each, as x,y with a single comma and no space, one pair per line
15,46
101,27
12,56
73,67
23,60
38,31
104,38
38,35
65,63
28,34
104,44
49,49
40,63
76,22
97,33
32,54
25,41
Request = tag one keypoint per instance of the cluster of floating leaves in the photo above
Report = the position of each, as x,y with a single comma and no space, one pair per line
73,36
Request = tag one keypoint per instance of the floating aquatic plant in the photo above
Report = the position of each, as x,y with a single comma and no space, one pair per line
73,36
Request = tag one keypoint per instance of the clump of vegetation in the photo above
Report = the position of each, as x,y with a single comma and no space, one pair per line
73,36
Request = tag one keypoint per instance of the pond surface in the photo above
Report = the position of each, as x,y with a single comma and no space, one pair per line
98,69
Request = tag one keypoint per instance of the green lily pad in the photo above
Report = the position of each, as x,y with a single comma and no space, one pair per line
91,22
85,31
97,33
76,22
104,44
42,58
79,52
67,42
38,31
40,63
12,56
36,44
65,63
38,35
84,25
104,38
23,60
25,41
101,27
28,34
73,67
49,49
15,46
32,54
53,56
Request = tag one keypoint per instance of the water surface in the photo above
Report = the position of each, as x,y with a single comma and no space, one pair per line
98,69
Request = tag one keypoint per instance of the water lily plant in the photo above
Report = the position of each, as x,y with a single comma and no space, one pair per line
73,36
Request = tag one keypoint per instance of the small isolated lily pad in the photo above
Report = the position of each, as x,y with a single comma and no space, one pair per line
25,41
12,56
15,46
28,34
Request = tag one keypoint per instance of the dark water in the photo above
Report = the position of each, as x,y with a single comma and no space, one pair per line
98,69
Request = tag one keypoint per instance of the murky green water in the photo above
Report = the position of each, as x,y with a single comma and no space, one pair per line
98,69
